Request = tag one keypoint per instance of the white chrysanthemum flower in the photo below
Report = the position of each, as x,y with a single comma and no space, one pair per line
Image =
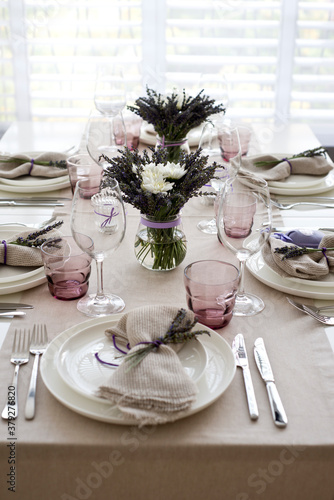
173,170
154,181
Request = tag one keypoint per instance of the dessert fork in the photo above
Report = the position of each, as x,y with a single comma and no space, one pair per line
39,341
287,206
20,356
327,320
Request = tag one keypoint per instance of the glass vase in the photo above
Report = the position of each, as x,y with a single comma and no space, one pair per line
173,147
160,245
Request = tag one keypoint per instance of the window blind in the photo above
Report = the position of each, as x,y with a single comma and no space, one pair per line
275,57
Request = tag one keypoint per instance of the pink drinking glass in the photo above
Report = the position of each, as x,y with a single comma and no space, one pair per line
67,267
81,166
211,287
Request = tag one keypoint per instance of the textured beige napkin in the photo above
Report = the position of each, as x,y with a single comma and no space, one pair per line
316,165
312,266
18,255
15,168
158,389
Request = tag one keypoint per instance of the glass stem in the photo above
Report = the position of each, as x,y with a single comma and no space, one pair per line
241,290
99,272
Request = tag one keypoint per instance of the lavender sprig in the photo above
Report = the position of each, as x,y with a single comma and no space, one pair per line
176,334
33,239
310,153
289,252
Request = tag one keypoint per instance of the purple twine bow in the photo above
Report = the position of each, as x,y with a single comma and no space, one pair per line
4,242
31,165
287,160
283,237
108,218
324,250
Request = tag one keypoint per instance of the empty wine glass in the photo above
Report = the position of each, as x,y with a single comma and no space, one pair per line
110,90
244,225
214,135
105,135
102,218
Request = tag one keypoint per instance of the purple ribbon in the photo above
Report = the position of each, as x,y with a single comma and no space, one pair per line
31,165
4,242
324,250
163,145
160,225
287,160
108,218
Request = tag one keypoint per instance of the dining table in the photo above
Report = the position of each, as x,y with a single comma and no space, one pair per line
75,449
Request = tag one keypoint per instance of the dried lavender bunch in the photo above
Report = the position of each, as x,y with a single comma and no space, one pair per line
176,334
19,161
33,239
173,116
130,169
289,252
319,151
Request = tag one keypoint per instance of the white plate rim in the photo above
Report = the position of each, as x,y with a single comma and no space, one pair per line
262,272
40,188
305,181
24,284
69,379
98,411
325,185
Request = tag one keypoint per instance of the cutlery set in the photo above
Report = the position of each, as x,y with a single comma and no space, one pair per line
264,367
23,345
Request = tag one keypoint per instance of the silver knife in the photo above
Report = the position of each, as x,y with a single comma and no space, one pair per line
240,354
286,229
263,364
11,314
8,306
28,203
37,198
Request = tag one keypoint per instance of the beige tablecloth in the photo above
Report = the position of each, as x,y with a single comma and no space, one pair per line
218,453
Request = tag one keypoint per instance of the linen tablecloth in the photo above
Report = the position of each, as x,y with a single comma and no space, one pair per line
218,453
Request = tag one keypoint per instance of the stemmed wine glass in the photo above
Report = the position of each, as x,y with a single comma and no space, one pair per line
106,132
101,217
244,225
221,144
105,135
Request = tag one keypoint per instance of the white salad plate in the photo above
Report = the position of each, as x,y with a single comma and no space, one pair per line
300,187
81,370
294,286
29,184
214,375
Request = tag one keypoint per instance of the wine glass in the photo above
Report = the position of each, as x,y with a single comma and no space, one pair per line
105,135
102,218
244,225
110,90
213,137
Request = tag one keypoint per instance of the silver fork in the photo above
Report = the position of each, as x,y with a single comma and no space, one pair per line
20,356
287,206
38,225
327,320
301,306
39,341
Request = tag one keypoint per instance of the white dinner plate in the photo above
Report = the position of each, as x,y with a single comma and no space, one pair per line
79,368
324,185
27,180
298,181
23,284
35,185
218,375
149,136
11,274
261,271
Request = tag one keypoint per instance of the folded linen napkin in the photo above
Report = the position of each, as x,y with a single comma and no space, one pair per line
19,255
315,165
310,266
157,390
33,164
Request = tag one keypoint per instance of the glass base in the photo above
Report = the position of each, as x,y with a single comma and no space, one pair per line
247,305
208,226
91,306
